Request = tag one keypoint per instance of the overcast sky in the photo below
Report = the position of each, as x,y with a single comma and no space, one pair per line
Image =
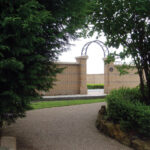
95,63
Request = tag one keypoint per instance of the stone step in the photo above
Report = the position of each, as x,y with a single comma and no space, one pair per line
71,97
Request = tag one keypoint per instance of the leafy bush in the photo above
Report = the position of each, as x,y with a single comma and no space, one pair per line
95,86
125,108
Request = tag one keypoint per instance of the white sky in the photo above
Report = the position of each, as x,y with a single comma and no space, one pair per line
95,63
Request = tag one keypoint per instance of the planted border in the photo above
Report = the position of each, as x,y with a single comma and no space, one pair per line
125,108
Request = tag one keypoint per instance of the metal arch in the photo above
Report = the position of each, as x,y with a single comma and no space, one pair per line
100,43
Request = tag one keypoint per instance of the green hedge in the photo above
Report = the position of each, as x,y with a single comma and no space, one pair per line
124,107
95,86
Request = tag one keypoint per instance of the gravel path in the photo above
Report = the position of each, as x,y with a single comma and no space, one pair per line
62,128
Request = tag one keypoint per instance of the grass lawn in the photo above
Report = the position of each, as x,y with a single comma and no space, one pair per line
49,104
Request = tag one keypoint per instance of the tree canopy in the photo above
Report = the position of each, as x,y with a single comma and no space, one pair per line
127,23
33,34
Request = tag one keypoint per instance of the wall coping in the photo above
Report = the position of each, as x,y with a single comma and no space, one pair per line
67,63
82,57
121,65
96,74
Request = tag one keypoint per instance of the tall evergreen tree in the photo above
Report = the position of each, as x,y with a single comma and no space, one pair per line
32,34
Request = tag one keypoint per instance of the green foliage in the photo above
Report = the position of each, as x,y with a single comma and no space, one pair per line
95,86
110,58
127,23
124,68
69,15
124,107
33,33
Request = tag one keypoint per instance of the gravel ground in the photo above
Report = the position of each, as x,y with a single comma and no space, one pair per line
62,128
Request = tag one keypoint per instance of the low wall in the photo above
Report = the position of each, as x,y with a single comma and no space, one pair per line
72,80
113,79
95,78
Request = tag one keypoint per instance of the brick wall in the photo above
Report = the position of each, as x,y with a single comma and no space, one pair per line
72,80
95,78
113,80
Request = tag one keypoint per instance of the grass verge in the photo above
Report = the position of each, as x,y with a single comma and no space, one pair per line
50,104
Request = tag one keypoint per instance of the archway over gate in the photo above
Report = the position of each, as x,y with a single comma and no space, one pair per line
95,69
100,43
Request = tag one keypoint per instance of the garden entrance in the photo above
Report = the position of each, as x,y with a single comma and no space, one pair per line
97,53
73,80
111,79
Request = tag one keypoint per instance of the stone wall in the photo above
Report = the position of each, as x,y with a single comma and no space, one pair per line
95,78
72,80
113,79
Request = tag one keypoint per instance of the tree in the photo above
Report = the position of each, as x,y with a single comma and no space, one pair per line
33,33
127,23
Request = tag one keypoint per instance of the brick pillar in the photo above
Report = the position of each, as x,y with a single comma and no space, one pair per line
83,81
107,70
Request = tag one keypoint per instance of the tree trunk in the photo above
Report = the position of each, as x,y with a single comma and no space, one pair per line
142,86
147,76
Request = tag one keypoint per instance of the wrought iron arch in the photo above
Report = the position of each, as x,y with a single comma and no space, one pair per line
100,43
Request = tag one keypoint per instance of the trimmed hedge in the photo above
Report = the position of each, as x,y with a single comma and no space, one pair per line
95,86
125,108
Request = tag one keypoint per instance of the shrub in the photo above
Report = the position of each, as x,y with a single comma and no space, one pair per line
125,108
95,86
